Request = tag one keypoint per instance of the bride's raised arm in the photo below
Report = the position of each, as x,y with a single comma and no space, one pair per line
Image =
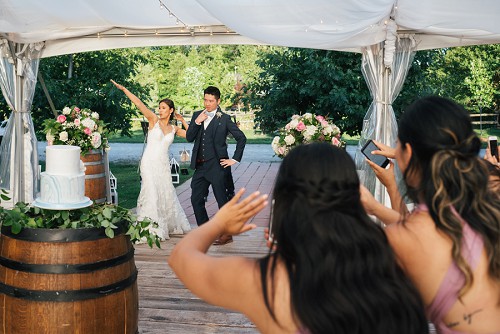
150,116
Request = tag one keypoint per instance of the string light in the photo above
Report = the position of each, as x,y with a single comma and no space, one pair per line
171,14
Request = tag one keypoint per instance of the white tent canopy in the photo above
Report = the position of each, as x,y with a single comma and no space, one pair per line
386,32
85,25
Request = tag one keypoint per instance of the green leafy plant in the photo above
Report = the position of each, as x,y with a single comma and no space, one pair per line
107,216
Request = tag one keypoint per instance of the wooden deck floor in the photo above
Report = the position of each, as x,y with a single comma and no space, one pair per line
165,305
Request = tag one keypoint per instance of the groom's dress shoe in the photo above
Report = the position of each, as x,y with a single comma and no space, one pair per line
223,239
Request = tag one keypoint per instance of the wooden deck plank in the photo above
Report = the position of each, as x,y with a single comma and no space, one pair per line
165,305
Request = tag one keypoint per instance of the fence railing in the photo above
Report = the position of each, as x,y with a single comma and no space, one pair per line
485,121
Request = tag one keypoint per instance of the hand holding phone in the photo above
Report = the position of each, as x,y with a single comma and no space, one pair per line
493,144
367,149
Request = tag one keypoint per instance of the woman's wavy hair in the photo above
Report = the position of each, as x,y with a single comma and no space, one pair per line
453,177
343,274
171,104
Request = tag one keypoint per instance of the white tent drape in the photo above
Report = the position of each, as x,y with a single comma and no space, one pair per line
385,68
18,152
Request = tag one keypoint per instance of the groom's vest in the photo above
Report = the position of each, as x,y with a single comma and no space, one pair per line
206,150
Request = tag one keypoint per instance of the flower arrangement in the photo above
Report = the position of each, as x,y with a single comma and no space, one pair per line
79,127
109,217
303,129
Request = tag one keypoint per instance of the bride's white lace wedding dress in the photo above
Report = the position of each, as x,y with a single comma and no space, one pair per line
157,198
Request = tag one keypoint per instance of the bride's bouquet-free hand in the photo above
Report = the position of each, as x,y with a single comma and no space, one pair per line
304,129
79,127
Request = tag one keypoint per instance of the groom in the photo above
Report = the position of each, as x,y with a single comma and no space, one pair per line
209,129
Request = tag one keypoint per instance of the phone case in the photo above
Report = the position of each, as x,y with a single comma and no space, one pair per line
378,159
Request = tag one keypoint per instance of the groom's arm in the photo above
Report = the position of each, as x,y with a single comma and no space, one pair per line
193,129
240,138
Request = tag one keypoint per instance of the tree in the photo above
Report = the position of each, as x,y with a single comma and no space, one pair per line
83,80
296,81
469,75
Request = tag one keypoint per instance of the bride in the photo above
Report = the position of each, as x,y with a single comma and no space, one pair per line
157,198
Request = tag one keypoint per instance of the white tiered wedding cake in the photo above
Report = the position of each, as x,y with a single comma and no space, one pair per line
62,185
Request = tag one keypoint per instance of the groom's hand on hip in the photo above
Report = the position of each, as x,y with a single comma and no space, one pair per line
227,162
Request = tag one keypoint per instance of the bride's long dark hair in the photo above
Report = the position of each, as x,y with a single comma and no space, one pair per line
343,274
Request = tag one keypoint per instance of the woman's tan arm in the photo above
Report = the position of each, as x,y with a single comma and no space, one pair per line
150,116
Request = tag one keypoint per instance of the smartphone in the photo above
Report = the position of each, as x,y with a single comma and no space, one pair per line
378,159
493,146
270,238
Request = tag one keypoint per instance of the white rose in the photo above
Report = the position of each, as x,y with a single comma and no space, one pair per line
66,111
308,115
275,141
289,140
63,136
96,139
327,130
49,137
95,115
295,117
293,123
311,130
88,123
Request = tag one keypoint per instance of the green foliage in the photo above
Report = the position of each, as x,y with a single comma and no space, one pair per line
83,79
470,75
109,217
298,81
183,72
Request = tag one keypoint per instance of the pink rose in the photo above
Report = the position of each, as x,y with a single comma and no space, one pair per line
324,123
335,141
301,126
61,118
87,131
320,118
77,122
77,109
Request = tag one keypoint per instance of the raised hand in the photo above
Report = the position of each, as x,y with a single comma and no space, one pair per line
120,87
201,118
235,213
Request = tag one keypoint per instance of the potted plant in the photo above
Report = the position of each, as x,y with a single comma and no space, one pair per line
60,263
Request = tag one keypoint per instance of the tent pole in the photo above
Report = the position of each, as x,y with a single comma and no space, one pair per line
19,154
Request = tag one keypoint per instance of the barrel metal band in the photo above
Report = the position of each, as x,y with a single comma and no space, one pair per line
95,176
68,295
93,163
66,268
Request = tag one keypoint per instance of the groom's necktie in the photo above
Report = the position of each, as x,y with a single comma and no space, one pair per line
210,115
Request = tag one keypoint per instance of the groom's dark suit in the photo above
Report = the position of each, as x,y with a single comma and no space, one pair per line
209,147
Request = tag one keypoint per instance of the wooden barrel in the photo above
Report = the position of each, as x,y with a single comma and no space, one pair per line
67,281
95,176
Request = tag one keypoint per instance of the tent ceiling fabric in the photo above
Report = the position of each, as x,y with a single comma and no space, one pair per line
85,25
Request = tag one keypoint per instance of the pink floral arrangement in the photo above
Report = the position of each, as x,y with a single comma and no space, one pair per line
303,129
79,127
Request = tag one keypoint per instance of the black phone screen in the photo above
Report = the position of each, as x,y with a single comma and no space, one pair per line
378,159
494,147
